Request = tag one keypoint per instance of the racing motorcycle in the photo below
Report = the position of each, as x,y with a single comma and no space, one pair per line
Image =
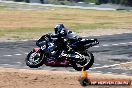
76,55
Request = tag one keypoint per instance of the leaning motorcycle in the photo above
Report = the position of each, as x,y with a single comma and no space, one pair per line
76,56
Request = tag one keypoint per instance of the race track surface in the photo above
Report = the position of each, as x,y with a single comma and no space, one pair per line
112,51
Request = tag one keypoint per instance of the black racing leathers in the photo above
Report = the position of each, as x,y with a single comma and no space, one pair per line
60,42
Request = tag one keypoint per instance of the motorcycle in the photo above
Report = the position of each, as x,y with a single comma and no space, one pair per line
76,56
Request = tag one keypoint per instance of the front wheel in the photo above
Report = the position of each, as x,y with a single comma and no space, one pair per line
34,59
85,60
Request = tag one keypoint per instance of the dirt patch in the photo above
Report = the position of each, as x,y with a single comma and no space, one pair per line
21,78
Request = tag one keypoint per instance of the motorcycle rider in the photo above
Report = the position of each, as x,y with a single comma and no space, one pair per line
61,33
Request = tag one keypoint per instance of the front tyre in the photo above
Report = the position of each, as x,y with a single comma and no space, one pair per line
86,60
34,59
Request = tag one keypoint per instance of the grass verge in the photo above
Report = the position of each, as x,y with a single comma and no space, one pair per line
19,24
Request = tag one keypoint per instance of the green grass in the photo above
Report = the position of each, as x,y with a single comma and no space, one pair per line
3,7
25,30
23,33
24,24
92,26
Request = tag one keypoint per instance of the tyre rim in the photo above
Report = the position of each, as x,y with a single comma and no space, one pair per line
83,60
34,58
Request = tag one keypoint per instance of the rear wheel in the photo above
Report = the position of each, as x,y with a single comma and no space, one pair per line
85,59
34,59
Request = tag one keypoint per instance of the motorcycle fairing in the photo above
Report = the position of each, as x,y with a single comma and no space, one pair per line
36,49
56,63
88,42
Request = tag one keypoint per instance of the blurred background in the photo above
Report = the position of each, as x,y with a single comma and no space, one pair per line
21,18
78,2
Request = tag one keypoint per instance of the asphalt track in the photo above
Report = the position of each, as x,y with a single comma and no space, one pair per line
112,51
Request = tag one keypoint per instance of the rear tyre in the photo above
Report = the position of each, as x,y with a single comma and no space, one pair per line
86,63
34,60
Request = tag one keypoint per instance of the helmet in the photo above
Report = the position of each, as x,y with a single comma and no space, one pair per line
58,28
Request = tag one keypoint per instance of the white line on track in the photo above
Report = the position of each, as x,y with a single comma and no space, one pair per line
107,66
99,71
109,72
24,40
115,44
105,45
96,64
5,64
95,46
7,55
8,65
123,73
26,53
19,62
17,54
123,43
129,42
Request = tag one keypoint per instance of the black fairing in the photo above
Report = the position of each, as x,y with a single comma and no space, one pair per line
84,43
